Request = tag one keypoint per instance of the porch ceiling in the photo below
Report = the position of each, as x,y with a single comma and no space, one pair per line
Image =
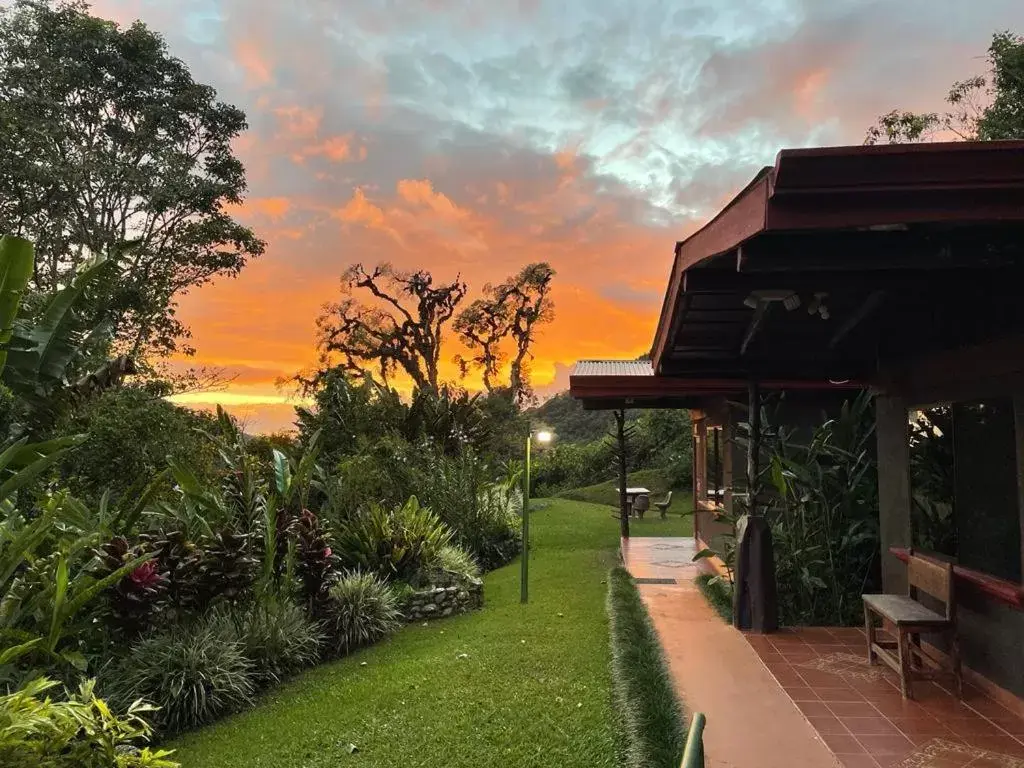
910,249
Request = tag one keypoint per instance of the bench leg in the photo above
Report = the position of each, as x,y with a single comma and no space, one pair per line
915,660
903,642
954,657
869,630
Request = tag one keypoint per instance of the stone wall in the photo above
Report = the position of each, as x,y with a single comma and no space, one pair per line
439,601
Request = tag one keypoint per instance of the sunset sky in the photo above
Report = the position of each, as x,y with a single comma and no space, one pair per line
474,137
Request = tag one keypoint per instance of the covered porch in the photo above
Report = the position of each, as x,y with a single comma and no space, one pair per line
897,270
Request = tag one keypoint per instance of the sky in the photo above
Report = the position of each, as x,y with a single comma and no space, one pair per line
473,137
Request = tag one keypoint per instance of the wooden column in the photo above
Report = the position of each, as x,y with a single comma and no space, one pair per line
892,434
620,436
753,445
1018,421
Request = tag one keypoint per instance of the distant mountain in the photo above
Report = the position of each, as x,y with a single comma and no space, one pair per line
570,423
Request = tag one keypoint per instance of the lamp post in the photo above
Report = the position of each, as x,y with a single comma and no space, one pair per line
543,437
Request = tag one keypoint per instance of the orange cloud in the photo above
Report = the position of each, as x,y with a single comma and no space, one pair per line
338,149
249,55
295,122
421,192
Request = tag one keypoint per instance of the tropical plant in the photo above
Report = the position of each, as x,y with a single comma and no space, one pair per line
43,353
825,517
362,610
193,672
451,559
17,260
47,581
482,514
79,731
395,544
315,563
276,635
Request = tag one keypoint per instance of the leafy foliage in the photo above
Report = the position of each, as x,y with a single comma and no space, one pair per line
79,731
395,544
825,519
512,311
385,332
193,673
982,108
131,433
276,635
363,609
84,163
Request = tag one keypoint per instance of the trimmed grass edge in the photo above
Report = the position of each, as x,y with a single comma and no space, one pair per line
718,594
649,715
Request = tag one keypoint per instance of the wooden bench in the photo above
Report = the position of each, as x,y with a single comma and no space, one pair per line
909,618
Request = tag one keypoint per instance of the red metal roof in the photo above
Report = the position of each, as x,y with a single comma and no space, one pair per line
860,187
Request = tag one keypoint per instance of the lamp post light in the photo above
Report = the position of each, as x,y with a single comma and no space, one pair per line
543,437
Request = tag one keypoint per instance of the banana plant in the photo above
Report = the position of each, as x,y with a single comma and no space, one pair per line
17,260
41,353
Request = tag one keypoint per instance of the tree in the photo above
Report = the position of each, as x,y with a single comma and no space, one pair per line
109,147
982,108
511,310
392,333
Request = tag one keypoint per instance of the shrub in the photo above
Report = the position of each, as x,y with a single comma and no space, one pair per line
276,636
79,732
132,431
315,563
650,716
452,558
194,673
363,609
396,544
482,514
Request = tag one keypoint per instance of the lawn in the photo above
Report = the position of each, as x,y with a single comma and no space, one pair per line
510,685
679,522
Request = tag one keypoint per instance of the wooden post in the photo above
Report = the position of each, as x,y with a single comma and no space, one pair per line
620,434
753,444
892,434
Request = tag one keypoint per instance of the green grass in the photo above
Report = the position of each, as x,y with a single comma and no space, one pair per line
718,594
649,713
679,521
510,685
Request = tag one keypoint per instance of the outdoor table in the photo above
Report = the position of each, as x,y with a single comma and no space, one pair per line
632,493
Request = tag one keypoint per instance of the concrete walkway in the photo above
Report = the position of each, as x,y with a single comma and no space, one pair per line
752,722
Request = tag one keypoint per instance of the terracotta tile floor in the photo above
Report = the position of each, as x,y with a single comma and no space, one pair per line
859,713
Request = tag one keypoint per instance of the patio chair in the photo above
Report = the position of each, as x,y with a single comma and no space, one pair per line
910,619
641,504
664,505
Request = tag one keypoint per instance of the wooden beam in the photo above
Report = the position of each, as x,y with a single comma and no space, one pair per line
753,444
760,312
870,304
892,432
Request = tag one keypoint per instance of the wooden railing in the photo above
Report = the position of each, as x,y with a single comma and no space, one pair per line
693,753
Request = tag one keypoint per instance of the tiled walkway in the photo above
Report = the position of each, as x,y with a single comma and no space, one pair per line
807,698
752,723
860,714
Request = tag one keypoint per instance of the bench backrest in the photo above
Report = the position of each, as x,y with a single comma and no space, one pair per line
933,578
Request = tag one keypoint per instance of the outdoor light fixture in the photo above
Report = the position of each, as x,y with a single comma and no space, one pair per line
791,302
543,437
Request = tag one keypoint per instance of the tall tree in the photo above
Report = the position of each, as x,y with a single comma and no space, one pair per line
982,108
400,328
511,311
108,146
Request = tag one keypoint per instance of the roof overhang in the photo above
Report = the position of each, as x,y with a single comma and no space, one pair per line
895,219
616,384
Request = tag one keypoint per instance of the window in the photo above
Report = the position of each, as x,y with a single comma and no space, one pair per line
964,484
